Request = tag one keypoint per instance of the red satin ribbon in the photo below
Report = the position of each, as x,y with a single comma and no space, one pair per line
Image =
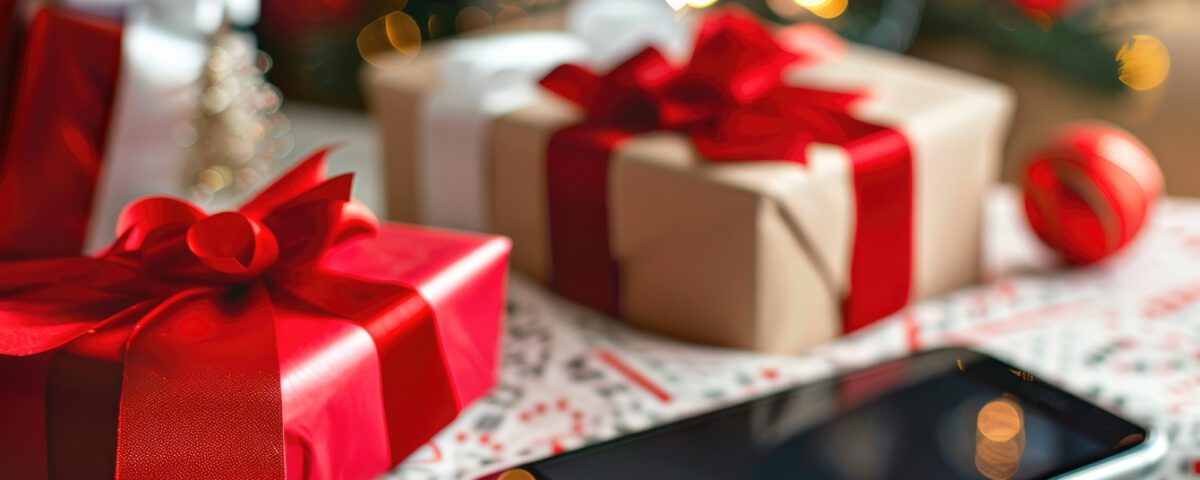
201,390
730,99
63,97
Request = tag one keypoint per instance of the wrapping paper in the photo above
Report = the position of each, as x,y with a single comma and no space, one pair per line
748,253
307,355
768,245
51,161
480,81
467,83
101,90
1122,334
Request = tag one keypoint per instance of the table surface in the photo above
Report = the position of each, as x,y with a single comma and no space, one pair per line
1124,334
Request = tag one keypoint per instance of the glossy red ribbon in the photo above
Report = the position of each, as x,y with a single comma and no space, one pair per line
730,99
194,297
63,91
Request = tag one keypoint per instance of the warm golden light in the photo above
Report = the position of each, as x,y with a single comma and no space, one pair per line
824,8
1133,439
999,420
787,9
516,474
700,3
434,26
999,439
471,18
388,35
1026,376
1144,61
215,177
998,460
513,15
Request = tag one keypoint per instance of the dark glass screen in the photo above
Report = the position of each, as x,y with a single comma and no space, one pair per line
943,414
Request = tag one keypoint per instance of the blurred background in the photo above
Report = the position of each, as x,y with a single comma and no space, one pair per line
1128,62
277,77
211,98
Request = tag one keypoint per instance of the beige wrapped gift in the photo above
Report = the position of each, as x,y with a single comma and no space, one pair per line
437,109
750,254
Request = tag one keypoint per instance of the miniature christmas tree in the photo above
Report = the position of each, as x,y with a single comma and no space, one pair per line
238,131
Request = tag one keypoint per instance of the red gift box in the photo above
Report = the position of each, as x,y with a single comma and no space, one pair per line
62,92
261,343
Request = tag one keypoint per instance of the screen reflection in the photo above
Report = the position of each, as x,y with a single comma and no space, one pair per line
913,418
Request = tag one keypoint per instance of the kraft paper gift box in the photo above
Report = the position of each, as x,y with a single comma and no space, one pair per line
459,86
873,197
143,363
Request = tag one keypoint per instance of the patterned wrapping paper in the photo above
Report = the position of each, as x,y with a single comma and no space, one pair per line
1124,334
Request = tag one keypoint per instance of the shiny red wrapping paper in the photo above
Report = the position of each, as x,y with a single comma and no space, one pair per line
351,405
54,119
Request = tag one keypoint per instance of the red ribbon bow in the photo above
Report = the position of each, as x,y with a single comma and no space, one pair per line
192,299
731,101
730,97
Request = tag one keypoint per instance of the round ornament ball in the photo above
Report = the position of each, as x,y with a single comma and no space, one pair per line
1089,190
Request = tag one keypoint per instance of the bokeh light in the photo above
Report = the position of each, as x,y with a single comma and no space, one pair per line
513,15
391,40
786,9
472,18
999,420
826,9
434,26
516,474
700,3
999,439
1144,62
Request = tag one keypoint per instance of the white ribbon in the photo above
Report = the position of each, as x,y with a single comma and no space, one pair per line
163,51
482,79
179,16
617,29
487,77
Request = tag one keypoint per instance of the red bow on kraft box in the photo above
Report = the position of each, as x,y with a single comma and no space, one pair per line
269,341
731,101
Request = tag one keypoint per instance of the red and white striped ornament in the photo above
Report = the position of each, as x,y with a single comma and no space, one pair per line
1089,190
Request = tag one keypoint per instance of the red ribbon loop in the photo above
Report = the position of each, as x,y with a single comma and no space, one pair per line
730,97
731,100
232,243
200,361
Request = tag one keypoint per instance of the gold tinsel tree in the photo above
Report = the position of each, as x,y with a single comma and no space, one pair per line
238,132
